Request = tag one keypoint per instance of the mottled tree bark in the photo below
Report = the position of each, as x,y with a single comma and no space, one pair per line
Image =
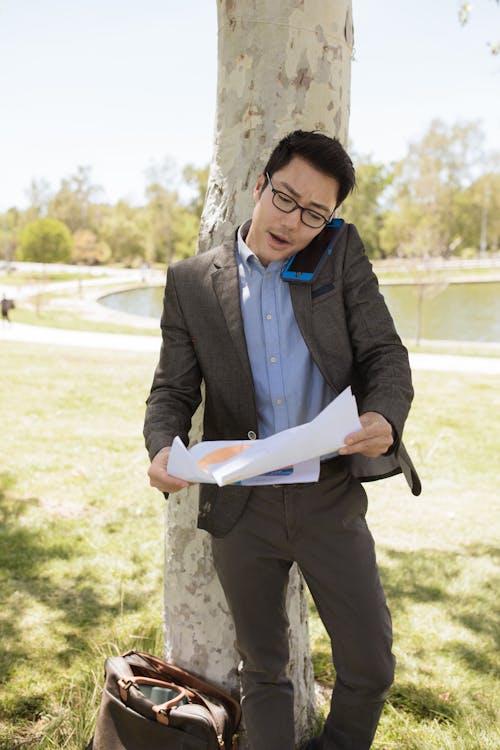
283,64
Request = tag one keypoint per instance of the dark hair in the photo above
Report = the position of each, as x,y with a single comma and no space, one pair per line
324,153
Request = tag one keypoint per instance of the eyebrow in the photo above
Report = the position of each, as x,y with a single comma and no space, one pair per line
313,203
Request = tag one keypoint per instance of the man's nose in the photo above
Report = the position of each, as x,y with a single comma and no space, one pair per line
293,219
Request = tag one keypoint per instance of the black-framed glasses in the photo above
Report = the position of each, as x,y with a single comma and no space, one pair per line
287,204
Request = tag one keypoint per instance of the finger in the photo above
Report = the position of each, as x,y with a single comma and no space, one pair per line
357,437
162,480
170,485
359,447
372,431
370,447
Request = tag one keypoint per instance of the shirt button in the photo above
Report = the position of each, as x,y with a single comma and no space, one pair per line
279,401
272,359
269,316
252,435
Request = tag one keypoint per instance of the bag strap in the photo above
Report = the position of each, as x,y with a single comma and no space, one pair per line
217,717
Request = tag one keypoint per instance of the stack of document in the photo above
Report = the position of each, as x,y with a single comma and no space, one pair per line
291,456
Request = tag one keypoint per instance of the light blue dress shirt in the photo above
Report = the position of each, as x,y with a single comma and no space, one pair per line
289,388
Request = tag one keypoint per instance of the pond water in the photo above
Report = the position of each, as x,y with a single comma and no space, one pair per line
460,312
146,301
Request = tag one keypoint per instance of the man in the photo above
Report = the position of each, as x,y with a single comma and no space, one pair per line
272,355
6,305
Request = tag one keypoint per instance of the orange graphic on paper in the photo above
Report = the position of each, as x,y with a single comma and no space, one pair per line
221,454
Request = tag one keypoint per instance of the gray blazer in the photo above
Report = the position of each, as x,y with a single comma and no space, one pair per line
345,324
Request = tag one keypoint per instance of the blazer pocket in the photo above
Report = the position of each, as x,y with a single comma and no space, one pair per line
322,290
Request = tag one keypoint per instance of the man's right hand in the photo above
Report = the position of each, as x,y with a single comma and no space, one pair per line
160,478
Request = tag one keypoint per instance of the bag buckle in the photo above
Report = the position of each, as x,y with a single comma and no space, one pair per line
162,715
124,684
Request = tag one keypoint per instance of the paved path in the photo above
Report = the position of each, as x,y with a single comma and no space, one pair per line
90,339
455,363
124,342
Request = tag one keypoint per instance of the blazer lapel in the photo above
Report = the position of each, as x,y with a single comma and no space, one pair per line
302,307
301,296
227,292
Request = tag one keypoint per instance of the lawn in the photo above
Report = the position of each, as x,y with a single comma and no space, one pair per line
81,551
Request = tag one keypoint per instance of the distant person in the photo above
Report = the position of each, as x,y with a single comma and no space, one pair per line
7,304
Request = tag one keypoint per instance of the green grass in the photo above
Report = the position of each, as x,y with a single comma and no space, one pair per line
81,551
81,538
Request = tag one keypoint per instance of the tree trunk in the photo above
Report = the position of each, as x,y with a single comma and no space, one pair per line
283,65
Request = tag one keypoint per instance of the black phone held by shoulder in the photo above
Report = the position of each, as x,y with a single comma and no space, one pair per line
303,267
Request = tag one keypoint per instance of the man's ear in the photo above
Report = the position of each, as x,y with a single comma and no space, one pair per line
259,186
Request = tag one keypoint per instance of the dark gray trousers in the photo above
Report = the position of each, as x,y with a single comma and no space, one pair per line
322,527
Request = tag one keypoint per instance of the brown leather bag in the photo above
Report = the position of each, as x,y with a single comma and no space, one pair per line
149,704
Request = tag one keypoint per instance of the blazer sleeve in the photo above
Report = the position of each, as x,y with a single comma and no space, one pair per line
381,363
176,390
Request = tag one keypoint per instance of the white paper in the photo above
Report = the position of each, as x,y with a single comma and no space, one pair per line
188,464
249,461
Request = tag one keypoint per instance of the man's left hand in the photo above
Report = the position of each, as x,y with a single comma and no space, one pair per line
374,439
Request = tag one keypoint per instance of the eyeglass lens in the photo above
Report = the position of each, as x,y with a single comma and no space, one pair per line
287,204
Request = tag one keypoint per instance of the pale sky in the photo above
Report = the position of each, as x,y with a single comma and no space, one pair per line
120,85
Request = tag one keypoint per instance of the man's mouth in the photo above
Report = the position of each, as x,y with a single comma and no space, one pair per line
279,239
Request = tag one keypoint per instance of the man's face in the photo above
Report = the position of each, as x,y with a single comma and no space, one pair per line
275,235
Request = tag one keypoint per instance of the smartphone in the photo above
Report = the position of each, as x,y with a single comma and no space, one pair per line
303,267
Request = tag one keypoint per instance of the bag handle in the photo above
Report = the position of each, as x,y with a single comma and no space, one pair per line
195,685
161,710
192,680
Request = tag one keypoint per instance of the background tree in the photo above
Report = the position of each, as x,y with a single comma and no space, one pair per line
72,203
45,241
158,218
9,230
197,179
283,64
184,232
424,220
464,12
39,196
478,216
365,206
171,226
89,249
123,231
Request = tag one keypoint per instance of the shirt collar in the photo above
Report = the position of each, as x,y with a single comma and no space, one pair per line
243,249
248,256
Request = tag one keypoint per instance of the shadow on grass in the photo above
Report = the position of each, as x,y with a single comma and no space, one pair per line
447,579
421,703
460,587
29,592
63,609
